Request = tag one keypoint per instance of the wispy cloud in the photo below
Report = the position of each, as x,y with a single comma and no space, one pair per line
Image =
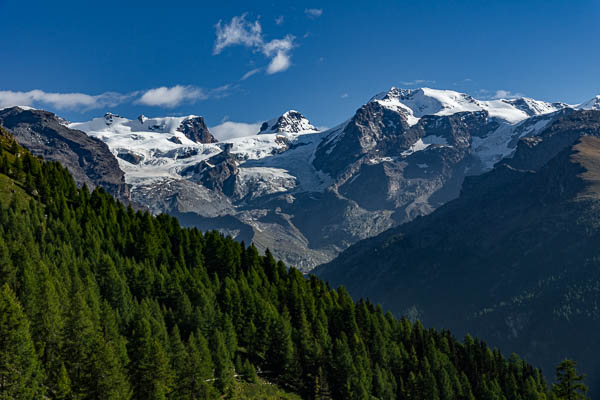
250,73
171,96
506,94
313,12
221,91
240,32
61,100
230,129
344,95
279,20
418,82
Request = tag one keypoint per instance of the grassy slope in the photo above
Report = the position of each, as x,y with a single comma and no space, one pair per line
10,189
261,391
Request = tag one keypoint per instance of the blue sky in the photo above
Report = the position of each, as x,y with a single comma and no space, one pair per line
324,59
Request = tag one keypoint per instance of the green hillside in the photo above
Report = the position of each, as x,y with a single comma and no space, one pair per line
98,301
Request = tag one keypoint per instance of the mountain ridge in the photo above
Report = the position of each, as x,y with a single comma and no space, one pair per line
308,186
89,159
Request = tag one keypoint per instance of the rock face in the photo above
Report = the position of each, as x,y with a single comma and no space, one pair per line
308,195
513,259
217,173
196,130
88,159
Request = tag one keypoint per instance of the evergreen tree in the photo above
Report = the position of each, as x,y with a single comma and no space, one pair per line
20,371
569,384
63,384
224,370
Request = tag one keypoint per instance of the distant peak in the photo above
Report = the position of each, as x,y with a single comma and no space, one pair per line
290,121
416,103
592,104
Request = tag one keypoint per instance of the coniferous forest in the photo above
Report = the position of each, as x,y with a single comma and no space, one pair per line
98,301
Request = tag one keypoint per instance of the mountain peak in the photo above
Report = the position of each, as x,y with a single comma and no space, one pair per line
290,121
191,126
196,130
592,104
416,103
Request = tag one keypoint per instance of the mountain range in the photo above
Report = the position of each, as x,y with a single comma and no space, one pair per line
304,194
479,216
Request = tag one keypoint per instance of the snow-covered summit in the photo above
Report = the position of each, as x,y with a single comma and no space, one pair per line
26,108
151,149
416,103
533,107
592,104
178,129
115,123
289,122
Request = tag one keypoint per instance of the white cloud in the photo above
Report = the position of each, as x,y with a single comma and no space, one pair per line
313,12
344,95
281,48
162,97
171,96
278,45
506,94
238,31
241,32
279,63
230,130
61,100
279,20
250,73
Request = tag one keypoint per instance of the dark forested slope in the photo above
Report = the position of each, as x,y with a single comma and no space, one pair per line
515,259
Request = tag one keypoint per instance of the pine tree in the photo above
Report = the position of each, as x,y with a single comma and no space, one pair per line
109,375
194,381
248,372
20,370
150,365
80,341
569,384
222,360
62,389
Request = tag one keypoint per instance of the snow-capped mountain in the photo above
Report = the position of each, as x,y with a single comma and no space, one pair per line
592,104
307,195
190,128
416,103
289,122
